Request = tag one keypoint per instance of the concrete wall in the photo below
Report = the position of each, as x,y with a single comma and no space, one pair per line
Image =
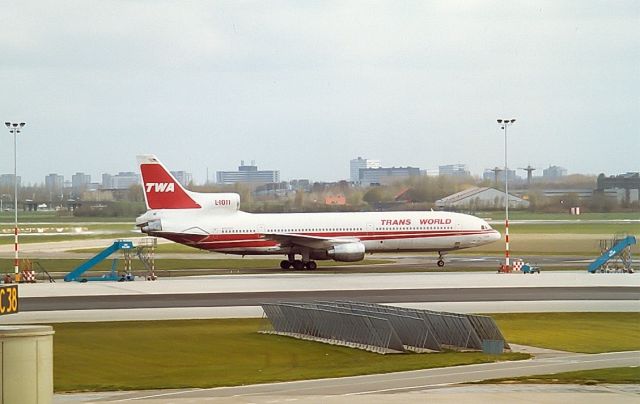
26,375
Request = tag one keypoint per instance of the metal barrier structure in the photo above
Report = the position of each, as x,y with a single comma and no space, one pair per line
380,328
333,326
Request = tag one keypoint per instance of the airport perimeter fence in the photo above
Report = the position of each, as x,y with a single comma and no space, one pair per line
380,328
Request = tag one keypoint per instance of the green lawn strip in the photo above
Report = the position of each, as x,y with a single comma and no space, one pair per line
524,215
625,375
162,248
54,217
574,332
65,265
37,238
210,353
570,228
66,227
551,244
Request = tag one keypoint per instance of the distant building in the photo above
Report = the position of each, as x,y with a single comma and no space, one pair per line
80,181
54,182
183,177
454,170
335,200
248,174
386,175
489,174
6,181
480,198
358,164
554,172
122,180
625,186
302,184
273,189
582,193
404,196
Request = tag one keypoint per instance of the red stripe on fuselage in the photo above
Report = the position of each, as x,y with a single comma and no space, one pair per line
254,240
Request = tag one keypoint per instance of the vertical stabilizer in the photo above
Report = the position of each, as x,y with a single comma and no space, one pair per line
161,189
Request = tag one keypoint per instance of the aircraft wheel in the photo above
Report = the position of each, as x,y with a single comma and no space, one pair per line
284,264
311,265
440,263
298,265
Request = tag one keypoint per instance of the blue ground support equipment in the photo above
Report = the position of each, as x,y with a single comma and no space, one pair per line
619,247
101,256
529,269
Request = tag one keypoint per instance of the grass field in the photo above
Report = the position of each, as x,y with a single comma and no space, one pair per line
587,245
570,228
54,217
630,375
524,215
164,265
208,353
575,332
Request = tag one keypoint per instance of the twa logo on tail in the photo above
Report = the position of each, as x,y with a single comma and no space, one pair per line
161,189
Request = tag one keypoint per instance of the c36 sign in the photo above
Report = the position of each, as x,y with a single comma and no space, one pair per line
8,299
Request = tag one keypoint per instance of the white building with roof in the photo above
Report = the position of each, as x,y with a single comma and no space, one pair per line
480,198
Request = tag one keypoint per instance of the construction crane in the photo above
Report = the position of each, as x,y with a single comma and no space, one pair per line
496,171
529,171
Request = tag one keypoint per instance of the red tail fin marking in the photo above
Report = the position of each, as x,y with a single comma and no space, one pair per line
162,191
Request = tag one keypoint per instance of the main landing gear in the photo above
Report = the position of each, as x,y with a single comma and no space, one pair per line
297,265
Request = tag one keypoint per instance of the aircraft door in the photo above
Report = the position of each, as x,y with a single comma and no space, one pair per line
369,229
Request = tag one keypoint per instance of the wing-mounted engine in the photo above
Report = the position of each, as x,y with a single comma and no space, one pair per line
349,252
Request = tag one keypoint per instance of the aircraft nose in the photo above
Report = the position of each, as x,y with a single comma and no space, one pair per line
495,235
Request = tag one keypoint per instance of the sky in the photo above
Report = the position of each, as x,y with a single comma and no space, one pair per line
305,86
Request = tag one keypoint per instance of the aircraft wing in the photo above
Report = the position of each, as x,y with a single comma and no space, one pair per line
314,242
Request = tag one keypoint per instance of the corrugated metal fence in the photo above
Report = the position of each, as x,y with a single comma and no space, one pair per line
380,328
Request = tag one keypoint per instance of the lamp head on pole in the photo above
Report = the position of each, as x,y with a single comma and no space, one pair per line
8,124
505,122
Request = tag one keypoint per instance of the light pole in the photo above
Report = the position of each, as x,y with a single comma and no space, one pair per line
15,128
504,123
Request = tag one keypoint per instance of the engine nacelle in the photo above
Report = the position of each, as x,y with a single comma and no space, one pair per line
349,252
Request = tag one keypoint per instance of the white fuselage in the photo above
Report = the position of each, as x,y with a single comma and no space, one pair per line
248,234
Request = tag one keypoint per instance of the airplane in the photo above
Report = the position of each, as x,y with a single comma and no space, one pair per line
214,222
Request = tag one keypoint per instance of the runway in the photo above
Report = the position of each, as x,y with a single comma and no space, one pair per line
225,296
139,301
